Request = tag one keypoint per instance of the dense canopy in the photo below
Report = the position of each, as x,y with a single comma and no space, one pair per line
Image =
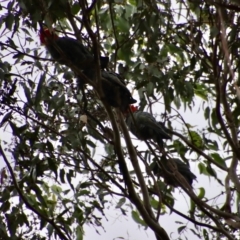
68,160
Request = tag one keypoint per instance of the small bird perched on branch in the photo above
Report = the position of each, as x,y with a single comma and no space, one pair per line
69,51
145,126
168,174
115,91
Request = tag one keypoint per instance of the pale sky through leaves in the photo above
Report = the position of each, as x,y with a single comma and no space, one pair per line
117,226
123,226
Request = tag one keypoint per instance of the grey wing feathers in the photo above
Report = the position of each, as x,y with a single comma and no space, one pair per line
183,168
146,127
76,52
147,120
113,77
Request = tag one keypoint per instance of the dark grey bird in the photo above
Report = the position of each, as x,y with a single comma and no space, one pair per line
67,51
146,127
169,178
115,91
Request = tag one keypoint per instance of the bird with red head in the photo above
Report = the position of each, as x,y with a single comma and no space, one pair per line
69,51
133,108
46,36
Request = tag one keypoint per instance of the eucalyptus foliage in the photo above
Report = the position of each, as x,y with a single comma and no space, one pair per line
171,54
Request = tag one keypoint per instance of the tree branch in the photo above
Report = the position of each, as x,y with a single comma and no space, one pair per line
24,199
221,95
152,220
197,150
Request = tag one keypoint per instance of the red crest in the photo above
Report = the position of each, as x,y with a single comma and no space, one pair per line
46,34
133,108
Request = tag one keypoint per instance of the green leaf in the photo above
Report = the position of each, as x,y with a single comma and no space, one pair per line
27,94
38,96
61,101
12,224
238,203
202,169
123,24
43,223
218,159
79,233
211,171
38,65
50,146
5,206
133,2
201,91
121,202
177,102
150,89
6,118
69,178
137,219
201,193
9,21
75,8
62,175
14,128
52,165
5,195
205,234
212,144
78,214
174,49
83,192
41,199
155,204
68,75
196,139
56,189
85,185
192,207
179,147
50,229
214,31
180,229
207,113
